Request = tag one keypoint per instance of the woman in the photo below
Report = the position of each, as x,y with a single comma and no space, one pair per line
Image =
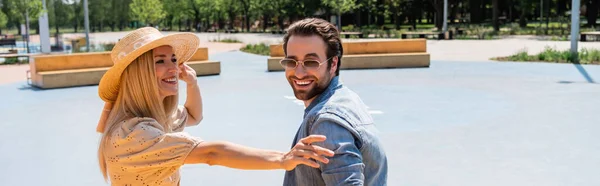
142,140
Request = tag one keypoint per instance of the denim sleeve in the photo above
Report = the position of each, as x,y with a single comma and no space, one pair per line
346,166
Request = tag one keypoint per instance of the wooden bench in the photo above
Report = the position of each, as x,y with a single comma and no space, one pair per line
371,54
231,31
58,71
422,35
348,34
584,36
9,42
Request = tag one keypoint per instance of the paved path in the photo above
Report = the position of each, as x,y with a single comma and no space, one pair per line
453,50
453,124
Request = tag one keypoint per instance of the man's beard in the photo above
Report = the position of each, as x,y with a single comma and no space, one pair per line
319,86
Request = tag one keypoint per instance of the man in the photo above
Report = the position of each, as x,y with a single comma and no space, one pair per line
313,52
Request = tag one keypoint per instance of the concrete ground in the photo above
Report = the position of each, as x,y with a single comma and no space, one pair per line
455,123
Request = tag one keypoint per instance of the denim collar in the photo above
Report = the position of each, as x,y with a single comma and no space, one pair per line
334,84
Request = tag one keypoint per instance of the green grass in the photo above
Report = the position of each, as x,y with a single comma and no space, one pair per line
14,60
551,24
260,49
586,56
103,47
226,40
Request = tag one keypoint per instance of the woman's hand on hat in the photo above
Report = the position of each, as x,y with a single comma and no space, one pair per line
307,154
187,74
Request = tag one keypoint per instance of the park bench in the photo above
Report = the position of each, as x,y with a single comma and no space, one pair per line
584,36
423,35
348,34
69,70
370,54
12,42
231,31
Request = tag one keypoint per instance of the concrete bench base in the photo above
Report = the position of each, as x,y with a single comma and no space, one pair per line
68,78
370,61
92,76
206,67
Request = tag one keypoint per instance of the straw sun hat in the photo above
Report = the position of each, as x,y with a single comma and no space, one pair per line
132,46
137,43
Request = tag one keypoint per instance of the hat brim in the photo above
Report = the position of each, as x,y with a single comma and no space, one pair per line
184,46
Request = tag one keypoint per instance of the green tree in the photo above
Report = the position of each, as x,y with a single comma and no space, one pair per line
592,8
525,7
148,11
230,8
340,7
246,6
22,9
3,21
121,12
77,18
97,14
59,13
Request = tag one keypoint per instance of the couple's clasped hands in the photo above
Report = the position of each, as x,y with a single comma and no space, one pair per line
304,152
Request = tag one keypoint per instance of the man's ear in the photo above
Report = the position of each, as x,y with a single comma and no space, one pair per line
334,65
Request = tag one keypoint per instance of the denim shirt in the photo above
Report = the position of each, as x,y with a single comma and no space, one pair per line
359,159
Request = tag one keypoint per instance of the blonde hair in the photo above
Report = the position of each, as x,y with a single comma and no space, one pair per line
138,97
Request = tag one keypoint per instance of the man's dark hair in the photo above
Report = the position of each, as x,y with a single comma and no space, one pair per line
327,31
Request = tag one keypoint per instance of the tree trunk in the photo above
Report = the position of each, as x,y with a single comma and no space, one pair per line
475,13
396,16
523,19
221,23
430,17
280,22
562,6
453,10
357,19
247,19
380,14
265,22
547,10
413,22
398,22
20,32
439,14
364,18
592,12
188,25
495,13
511,7
179,25
339,22
37,28
231,19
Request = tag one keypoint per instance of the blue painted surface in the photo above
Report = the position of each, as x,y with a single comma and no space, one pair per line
455,123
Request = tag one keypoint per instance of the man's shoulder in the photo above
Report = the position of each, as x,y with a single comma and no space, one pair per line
343,104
